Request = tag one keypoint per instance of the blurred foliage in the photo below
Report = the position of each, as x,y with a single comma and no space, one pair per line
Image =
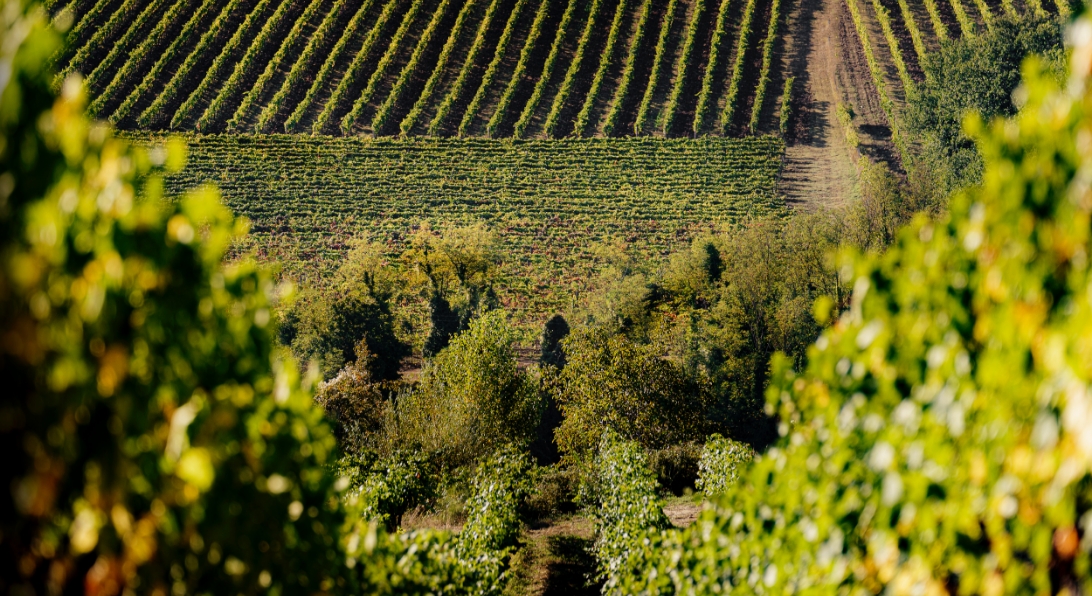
156,441
472,398
939,440
721,464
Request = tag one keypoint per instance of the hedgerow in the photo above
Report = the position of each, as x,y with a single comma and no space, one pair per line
723,461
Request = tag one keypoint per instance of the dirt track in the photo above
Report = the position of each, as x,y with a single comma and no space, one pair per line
830,68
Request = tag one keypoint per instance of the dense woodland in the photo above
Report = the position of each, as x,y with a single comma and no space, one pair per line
888,396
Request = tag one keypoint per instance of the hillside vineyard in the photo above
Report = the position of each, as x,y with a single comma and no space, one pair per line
477,68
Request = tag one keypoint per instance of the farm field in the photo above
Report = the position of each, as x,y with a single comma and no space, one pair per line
470,68
550,203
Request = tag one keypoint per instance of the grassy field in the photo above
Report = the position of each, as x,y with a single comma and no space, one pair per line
549,202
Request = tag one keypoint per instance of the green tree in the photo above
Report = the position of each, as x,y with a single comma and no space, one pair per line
156,441
610,382
975,74
472,397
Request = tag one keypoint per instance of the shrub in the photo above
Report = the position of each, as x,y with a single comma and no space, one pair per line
156,441
676,466
722,463
358,405
471,398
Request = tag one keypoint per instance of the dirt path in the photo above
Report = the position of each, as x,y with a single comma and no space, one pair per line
820,167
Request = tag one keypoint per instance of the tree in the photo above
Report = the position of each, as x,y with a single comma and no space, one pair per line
472,397
610,382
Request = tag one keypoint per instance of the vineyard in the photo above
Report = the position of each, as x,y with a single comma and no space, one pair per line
549,202
471,68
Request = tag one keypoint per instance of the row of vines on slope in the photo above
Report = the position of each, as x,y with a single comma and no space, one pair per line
494,68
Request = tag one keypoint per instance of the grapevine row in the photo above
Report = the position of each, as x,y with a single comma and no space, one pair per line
987,16
356,69
621,93
300,69
123,45
605,62
552,120
216,110
893,44
876,71
119,19
166,59
491,70
254,95
701,113
682,69
327,69
158,110
349,121
140,57
641,124
938,25
379,122
915,33
414,115
87,23
729,111
767,60
215,74
521,69
461,81
547,72
965,23
785,113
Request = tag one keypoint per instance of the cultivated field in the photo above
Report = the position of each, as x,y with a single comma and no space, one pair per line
479,68
550,203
